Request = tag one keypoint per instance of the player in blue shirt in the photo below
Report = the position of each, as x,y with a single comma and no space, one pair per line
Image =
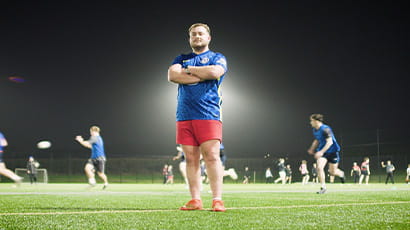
3,170
325,149
199,119
96,163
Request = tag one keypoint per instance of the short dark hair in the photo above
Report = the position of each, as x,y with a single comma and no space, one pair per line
317,117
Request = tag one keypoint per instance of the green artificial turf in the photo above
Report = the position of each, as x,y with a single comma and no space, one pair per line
250,206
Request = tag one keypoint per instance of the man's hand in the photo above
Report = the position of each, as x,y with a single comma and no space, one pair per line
79,138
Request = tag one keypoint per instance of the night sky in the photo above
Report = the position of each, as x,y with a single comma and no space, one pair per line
106,64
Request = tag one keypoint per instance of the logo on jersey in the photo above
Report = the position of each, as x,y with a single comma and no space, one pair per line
204,60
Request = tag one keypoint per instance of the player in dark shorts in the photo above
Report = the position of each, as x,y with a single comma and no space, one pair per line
282,171
325,150
365,171
389,171
288,171
355,172
246,176
32,166
96,163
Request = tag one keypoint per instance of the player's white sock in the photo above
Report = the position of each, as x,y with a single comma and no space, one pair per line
91,181
217,198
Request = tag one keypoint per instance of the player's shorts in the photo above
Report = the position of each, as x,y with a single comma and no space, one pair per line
365,172
196,132
98,163
332,158
282,174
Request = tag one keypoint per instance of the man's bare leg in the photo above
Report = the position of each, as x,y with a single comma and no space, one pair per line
210,152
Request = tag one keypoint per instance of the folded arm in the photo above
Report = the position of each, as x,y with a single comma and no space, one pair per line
177,74
210,72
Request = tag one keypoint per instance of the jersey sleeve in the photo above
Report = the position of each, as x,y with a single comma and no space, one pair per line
177,60
220,59
327,132
93,139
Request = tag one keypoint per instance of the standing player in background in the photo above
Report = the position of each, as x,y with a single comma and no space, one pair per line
408,174
32,166
325,149
199,119
268,176
165,173
304,171
170,175
246,176
355,172
96,163
389,171
3,170
288,170
365,171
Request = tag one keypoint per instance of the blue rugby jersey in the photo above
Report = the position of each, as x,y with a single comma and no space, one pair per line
97,147
321,134
200,101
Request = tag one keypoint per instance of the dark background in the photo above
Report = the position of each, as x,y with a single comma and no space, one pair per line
105,63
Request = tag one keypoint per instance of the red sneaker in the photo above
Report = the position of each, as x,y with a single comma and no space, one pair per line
218,206
193,204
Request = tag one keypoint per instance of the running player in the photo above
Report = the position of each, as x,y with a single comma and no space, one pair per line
325,149
96,163
227,172
282,171
199,119
182,163
3,170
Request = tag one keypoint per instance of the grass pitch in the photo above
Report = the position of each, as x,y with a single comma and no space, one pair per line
251,206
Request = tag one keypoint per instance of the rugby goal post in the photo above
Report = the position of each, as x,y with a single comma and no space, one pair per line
42,175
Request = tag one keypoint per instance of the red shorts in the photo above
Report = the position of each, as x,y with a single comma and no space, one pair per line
196,132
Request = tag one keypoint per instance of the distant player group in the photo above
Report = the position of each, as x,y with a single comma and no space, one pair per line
95,164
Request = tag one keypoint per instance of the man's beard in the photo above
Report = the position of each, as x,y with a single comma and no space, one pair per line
198,48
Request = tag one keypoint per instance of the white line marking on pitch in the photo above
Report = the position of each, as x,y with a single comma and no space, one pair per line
172,210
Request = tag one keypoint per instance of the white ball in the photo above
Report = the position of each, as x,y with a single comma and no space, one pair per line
36,164
43,144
